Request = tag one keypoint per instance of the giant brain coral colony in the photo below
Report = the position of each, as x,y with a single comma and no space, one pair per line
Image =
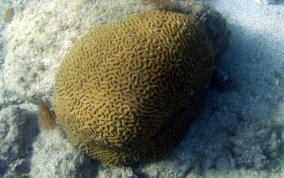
127,91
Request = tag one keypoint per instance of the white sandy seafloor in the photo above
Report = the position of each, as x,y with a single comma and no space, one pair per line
238,132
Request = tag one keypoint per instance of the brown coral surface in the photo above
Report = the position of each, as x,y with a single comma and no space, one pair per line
127,91
9,14
46,118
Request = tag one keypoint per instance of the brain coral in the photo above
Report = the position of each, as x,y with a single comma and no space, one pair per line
127,91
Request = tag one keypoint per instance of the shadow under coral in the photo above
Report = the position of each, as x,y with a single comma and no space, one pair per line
235,127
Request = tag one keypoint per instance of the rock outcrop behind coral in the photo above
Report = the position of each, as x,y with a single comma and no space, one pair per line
37,43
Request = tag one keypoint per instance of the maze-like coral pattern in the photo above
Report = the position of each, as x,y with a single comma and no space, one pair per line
127,91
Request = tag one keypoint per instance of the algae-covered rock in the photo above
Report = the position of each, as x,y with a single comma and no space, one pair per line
127,91
18,129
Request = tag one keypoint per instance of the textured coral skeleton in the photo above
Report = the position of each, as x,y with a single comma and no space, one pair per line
127,91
